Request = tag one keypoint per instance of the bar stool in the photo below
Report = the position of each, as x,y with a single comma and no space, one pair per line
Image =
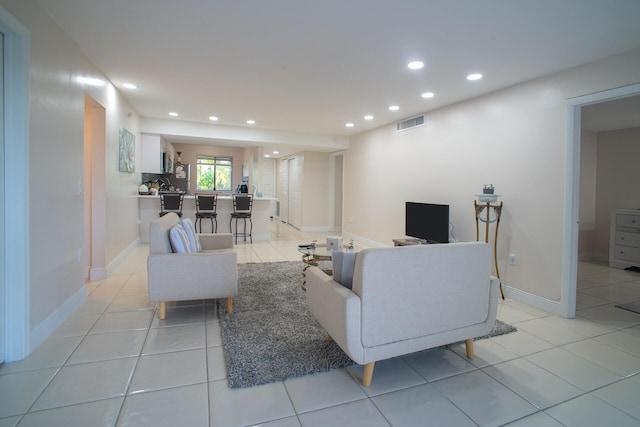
171,202
242,204
206,205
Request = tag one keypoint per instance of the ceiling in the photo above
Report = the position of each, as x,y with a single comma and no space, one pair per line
313,66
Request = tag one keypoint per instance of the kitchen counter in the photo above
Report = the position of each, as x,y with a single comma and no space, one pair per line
149,208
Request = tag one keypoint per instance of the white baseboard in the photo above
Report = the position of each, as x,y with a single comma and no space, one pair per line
593,257
318,229
120,258
532,300
55,319
97,273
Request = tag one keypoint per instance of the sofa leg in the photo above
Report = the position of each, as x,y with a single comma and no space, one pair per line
469,344
328,338
163,310
229,305
368,374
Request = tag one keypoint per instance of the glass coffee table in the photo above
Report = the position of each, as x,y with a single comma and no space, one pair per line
312,255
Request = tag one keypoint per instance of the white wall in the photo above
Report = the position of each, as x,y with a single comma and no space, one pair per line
618,178
587,209
57,166
315,191
514,138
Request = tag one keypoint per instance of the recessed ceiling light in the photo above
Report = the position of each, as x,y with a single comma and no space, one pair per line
251,122
276,152
428,95
173,114
267,155
394,108
349,125
415,65
130,86
213,118
368,117
475,76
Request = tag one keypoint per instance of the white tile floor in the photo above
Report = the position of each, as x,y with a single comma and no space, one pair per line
113,363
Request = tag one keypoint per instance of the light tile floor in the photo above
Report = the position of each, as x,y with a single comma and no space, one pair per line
114,363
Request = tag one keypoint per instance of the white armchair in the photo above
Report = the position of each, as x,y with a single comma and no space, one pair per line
407,299
212,273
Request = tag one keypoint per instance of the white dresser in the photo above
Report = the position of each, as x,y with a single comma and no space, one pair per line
624,249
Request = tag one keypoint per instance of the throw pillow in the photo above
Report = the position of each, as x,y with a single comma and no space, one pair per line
179,239
194,241
343,265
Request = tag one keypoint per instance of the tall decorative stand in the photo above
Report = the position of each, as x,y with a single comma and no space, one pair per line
484,209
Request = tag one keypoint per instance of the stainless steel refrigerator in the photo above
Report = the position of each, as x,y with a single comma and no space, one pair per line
182,178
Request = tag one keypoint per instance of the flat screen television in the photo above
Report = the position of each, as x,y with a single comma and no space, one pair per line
427,221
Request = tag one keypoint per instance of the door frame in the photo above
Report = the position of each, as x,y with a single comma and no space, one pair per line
571,209
16,187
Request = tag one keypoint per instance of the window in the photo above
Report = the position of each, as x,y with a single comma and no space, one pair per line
213,173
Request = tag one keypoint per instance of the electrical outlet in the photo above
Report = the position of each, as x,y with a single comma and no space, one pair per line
512,259
79,255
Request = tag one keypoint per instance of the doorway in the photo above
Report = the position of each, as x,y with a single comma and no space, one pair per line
572,191
94,183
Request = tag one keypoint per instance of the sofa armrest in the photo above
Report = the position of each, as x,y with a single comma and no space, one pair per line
337,309
180,277
210,241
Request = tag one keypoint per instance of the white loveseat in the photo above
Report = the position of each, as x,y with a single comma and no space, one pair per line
211,273
407,299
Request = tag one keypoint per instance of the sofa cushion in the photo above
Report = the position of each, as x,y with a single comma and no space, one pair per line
194,242
343,265
179,239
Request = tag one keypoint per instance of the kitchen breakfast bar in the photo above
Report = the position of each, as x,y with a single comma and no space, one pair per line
149,209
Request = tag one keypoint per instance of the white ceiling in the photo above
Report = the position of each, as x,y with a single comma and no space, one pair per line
312,66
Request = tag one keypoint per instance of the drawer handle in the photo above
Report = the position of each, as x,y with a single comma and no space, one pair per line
622,238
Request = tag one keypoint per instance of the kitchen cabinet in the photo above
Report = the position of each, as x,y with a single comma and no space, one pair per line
624,249
157,155
151,156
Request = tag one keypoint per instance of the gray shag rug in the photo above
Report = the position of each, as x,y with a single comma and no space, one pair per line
272,336
631,306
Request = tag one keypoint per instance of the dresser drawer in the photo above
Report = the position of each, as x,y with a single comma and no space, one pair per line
626,238
627,253
623,220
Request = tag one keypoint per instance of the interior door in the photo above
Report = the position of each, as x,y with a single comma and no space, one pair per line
268,185
284,184
295,191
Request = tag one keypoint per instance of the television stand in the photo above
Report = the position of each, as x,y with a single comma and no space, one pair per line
411,242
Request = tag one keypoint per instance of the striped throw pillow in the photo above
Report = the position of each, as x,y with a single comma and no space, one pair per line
194,242
179,239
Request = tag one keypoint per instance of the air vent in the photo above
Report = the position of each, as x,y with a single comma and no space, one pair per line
410,123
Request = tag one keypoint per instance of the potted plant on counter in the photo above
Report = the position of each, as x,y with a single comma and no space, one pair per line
488,189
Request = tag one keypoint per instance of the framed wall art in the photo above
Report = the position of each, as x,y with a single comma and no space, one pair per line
127,151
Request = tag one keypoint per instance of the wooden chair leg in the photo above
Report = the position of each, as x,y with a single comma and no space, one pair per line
229,305
469,345
329,339
163,310
368,374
